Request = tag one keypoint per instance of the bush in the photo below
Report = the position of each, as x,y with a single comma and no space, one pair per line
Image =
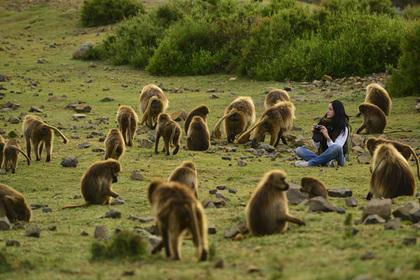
124,244
102,12
405,80
411,12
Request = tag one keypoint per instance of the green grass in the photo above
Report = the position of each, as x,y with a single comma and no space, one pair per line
317,251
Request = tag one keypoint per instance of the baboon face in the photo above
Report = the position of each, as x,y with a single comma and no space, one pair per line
163,117
114,131
306,188
25,213
156,105
203,109
362,108
115,168
279,181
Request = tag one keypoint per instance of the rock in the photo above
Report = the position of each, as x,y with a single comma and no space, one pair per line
393,224
98,150
145,219
358,149
409,241
403,212
5,223
415,215
232,190
242,163
364,158
14,120
212,230
136,176
34,109
327,78
77,117
41,60
12,243
253,269
52,228
357,140
351,202
320,204
232,232
83,50
154,240
4,78
84,233
226,158
214,96
33,230
128,273
146,143
101,232
83,145
46,210
221,188
373,219
113,214
295,196
69,162
418,107
266,147
35,206
219,203
208,204
340,192
220,264
82,108
380,207
416,226
107,99
368,256
117,201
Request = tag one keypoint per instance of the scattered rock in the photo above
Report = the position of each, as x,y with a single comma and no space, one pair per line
107,99
364,158
253,269
5,223
83,145
340,192
33,230
69,162
208,204
232,190
136,175
128,273
368,256
113,214
14,120
84,233
41,60
416,226
145,219
12,243
52,228
232,232
212,230
4,78
373,219
221,188
146,143
101,232
404,212
154,240
266,147
393,224
35,206
83,50
380,207
409,241
358,149
118,201
82,108
295,196
242,163
357,140
220,264
351,202
214,96
226,158
77,117
46,210
220,203
34,109
320,204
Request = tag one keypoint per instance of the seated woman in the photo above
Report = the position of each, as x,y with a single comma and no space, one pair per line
329,137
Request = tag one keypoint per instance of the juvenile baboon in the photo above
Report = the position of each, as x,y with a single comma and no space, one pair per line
177,212
405,150
96,185
377,95
13,205
127,123
391,174
267,210
238,117
274,96
186,174
201,111
10,155
114,144
374,120
2,143
152,102
198,137
170,131
39,133
313,187
276,121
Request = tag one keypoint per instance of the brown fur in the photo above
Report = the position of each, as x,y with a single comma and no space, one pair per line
10,155
2,144
127,123
276,121
39,133
114,144
96,184
377,95
13,205
238,117
267,210
177,212
201,111
391,174
152,102
374,120
313,187
198,138
186,174
274,96
405,150
170,131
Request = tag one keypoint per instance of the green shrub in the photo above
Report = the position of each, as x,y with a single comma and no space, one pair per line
124,244
405,80
360,6
411,12
10,263
102,12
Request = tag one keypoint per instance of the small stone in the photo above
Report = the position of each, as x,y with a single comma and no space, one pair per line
351,202
107,99
35,206
415,215
52,228
409,241
128,273
368,256
242,163
12,243
145,219
373,219
146,143
69,162
14,120
136,176
46,210
113,214
226,158
404,212
364,158
232,190
41,60
82,108
340,192
266,147
154,240
232,232
83,145
220,264
117,201
84,233
214,96
416,226
212,230
5,223
83,50
221,188
34,109
213,191
295,196
208,204
33,230
253,269
320,204
327,78
77,117
358,149
220,203
238,237
101,232
381,207
393,224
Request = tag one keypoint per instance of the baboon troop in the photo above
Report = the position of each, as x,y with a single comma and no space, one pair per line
152,102
177,211
201,111
13,205
237,118
198,137
170,131
274,96
374,119
114,144
38,133
391,174
313,187
267,211
127,123
10,155
186,174
377,95
275,121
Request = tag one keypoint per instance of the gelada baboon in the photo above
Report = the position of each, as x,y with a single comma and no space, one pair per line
276,121
152,102
313,187
170,131
377,95
274,96
127,123
177,212
13,205
201,111
96,185
374,120
2,143
39,133
267,210
186,174
391,174
238,117
114,144
198,137
405,150
10,155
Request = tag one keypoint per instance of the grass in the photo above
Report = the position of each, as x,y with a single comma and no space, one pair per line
319,250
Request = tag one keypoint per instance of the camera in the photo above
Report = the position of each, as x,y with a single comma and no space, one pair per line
317,135
318,127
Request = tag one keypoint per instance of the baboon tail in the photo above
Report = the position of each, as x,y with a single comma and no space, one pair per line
195,230
246,134
65,140
147,111
24,154
171,139
216,133
128,131
75,206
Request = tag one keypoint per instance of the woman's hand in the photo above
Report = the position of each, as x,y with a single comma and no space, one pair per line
324,132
